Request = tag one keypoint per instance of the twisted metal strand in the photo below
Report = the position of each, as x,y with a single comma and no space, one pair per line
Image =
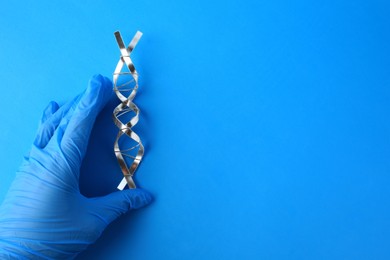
127,106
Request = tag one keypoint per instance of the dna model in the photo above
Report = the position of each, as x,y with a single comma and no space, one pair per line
128,151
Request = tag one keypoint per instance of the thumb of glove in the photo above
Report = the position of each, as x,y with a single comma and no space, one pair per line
113,205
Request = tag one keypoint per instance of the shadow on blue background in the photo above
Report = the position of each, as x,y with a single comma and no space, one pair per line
100,175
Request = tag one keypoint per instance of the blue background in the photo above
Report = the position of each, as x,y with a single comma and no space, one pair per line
266,123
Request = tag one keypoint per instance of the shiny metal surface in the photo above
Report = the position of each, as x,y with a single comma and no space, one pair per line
130,152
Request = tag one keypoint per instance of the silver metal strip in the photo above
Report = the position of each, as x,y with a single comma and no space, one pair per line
127,106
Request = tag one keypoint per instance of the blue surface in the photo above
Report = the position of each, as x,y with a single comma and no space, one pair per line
266,124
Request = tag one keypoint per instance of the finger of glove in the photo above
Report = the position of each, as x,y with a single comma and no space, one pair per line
50,109
62,122
77,126
111,206
42,138
50,120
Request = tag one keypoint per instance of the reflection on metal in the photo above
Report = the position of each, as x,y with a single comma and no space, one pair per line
125,81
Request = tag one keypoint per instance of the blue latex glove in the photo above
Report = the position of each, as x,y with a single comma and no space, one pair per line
44,216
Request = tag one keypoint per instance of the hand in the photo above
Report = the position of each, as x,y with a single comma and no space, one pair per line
44,216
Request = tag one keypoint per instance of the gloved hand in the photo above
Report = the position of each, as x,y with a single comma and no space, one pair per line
44,216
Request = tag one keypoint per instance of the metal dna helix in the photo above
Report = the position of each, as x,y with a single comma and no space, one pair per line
128,151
